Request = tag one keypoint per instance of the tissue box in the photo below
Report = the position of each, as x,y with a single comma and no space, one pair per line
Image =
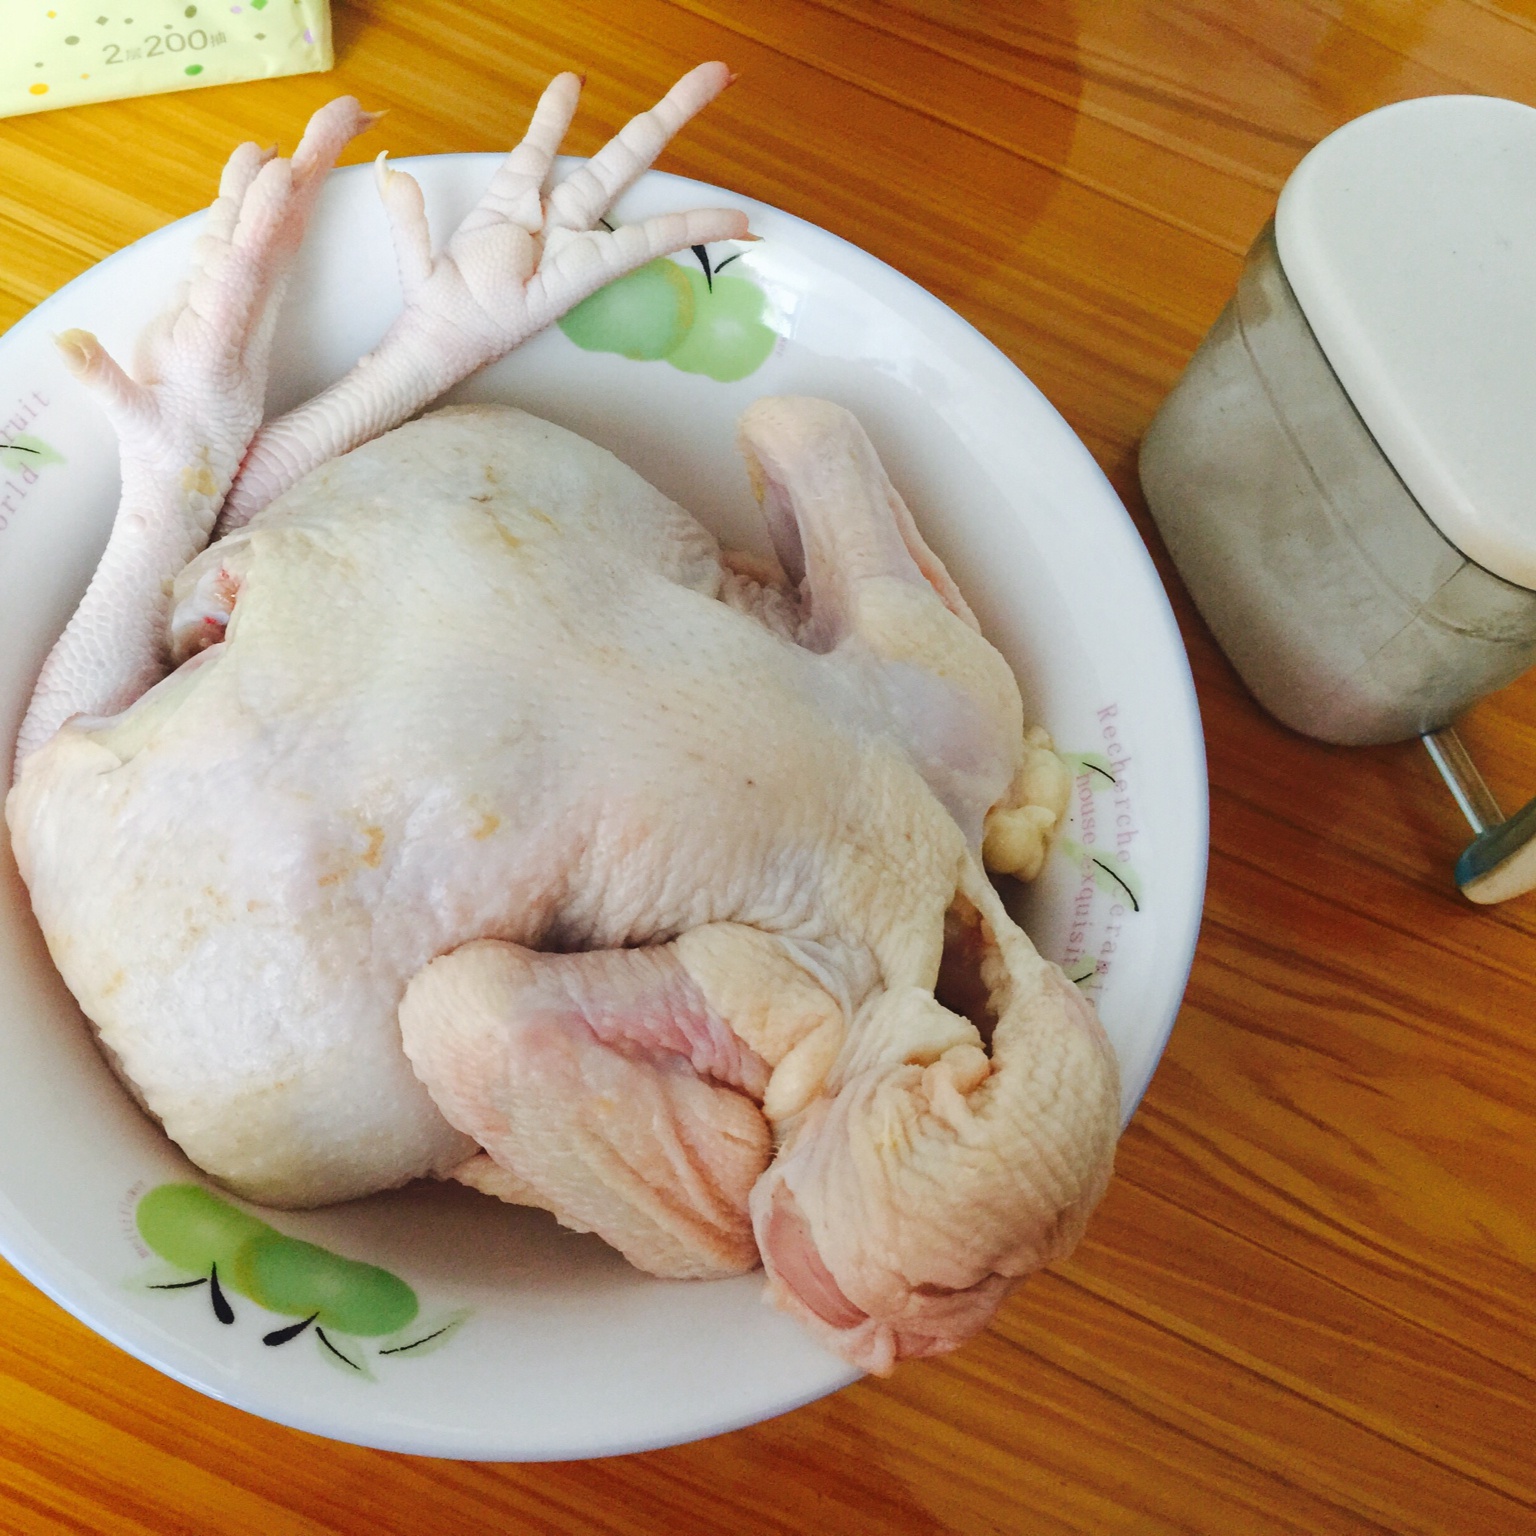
59,53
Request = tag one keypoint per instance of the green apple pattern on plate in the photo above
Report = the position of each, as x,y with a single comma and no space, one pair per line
341,1302
697,320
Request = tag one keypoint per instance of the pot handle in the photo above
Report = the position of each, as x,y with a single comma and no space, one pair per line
1500,861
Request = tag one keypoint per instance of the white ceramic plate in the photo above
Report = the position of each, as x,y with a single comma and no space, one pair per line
553,1347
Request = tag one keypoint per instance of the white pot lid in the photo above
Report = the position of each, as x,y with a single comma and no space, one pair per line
1409,237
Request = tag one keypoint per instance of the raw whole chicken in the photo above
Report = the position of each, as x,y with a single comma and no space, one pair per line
495,824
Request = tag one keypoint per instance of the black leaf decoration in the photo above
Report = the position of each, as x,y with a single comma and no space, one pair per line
401,1349
320,1334
1129,893
221,1307
292,1331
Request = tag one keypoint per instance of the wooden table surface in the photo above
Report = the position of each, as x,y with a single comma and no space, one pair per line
1307,1303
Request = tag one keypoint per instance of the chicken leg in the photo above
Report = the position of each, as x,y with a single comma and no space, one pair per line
184,420
187,420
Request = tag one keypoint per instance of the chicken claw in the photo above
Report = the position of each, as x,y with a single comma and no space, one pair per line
184,417
523,256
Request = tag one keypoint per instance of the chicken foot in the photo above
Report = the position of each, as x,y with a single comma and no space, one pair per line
184,418
196,460
523,256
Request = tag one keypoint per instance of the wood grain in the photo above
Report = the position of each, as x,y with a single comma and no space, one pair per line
1307,1304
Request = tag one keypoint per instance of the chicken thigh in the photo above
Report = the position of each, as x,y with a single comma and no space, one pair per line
496,824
